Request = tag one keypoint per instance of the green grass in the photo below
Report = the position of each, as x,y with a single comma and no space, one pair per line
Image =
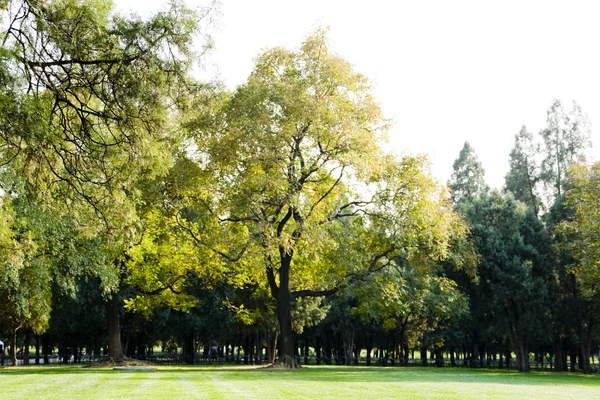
52,382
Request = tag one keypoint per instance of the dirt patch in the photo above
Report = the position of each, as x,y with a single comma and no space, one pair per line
125,363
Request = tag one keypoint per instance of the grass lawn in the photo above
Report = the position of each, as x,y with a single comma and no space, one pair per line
312,382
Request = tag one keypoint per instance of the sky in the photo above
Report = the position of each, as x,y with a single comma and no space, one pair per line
444,72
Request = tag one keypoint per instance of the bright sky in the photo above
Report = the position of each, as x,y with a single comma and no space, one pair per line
444,71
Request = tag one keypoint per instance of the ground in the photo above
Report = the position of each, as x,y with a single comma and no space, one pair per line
312,382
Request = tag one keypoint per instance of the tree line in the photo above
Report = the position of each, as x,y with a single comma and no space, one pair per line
142,205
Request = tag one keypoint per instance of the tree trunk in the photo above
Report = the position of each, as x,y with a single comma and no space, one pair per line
287,338
13,347
37,349
522,351
424,356
46,349
318,350
439,357
348,346
585,341
188,349
26,342
115,349
558,356
508,357
474,362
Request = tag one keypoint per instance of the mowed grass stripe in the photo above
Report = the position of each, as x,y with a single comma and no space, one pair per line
43,383
308,383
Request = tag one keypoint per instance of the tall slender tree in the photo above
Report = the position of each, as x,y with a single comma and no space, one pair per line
468,176
524,175
566,138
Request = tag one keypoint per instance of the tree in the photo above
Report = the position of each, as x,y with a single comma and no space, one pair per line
304,190
512,244
467,179
566,137
577,238
41,250
411,302
584,225
87,101
523,176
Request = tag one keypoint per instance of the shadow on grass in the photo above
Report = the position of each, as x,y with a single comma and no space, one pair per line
333,374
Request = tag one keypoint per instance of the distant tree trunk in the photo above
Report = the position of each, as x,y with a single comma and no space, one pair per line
439,357
13,346
573,359
26,343
37,349
508,357
482,357
318,349
46,349
522,351
246,350
348,346
188,349
585,341
369,345
474,361
424,356
115,349
559,365
269,346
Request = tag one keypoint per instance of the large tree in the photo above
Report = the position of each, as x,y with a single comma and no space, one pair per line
512,290
87,104
304,190
577,241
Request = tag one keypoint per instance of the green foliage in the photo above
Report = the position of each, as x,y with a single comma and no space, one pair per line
514,271
566,137
582,229
411,302
467,179
524,174
299,186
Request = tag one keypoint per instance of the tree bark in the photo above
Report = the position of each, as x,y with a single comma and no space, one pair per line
559,366
115,349
26,343
46,349
522,351
439,357
37,349
474,362
424,356
284,300
188,349
585,341
13,347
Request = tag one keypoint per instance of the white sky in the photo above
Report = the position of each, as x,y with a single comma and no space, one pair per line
444,71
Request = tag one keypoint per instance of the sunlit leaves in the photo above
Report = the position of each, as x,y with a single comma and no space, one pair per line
582,230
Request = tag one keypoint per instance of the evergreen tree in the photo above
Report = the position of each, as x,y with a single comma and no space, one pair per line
467,179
